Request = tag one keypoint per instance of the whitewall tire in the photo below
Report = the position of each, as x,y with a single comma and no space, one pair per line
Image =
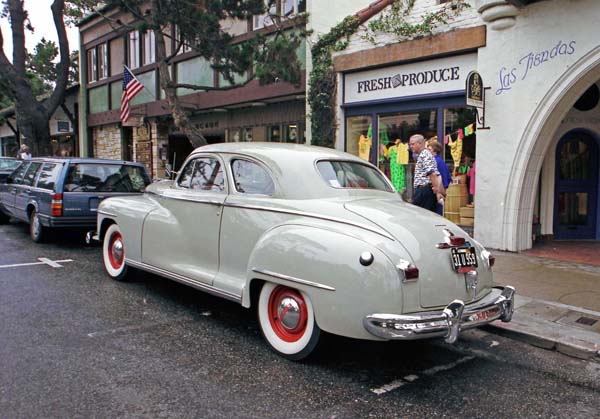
113,253
287,321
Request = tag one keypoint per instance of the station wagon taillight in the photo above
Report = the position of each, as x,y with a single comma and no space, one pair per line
56,205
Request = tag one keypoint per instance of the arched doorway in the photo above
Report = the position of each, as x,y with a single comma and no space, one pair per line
576,187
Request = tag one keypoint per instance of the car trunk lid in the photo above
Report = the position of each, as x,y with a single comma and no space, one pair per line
420,232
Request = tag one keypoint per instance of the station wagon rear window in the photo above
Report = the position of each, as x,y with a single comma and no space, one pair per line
352,175
93,177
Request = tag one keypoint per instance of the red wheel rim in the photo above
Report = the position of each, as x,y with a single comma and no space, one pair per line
116,251
288,314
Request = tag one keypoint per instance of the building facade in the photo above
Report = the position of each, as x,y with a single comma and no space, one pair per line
250,112
62,124
530,169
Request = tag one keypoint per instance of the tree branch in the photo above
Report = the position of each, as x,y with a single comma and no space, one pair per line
17,24
62,69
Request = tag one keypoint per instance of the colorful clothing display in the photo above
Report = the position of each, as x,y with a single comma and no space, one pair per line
397,170
402,157
364,147
456,151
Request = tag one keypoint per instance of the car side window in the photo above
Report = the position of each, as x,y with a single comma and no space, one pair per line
203,173
49,175
249,177
186,175
17,176
29,177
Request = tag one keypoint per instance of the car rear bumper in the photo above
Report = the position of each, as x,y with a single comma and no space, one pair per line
69,222
447,323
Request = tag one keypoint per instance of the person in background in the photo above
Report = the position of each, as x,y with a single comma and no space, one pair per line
24,152
427,181
436,149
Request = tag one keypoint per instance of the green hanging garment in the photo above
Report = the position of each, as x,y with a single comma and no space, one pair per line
397,171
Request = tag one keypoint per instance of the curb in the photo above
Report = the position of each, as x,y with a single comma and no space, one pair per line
575,348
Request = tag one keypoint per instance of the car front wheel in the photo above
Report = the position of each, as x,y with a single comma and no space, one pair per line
113,253
36,230
287,321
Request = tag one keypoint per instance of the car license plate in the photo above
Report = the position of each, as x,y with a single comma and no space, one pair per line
463,257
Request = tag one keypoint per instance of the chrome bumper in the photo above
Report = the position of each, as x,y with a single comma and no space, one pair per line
498,304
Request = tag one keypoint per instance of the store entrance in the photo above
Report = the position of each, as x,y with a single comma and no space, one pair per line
576,187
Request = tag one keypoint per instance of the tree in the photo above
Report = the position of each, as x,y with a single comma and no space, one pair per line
33,114
198,24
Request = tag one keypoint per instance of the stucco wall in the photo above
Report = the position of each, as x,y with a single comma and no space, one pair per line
523,104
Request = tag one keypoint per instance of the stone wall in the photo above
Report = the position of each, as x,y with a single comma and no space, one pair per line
107,142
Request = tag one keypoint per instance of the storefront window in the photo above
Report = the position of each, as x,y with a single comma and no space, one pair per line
358,141
459,156
393,155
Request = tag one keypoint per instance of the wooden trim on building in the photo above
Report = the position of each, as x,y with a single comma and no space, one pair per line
447,43
251,92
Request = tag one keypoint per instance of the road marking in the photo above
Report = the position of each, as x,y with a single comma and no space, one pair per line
413,377
42,261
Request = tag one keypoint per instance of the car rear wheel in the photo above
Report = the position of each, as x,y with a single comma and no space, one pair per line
36,230
287,321
4,219
113,253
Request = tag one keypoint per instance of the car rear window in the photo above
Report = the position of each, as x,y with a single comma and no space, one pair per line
96,177
48,175
9,164
352,175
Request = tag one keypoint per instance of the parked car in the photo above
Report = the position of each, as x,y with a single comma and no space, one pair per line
316,239
7,166
63,193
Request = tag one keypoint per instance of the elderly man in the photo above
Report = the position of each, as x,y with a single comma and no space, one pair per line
427,180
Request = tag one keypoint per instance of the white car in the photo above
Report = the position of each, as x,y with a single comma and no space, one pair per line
316,239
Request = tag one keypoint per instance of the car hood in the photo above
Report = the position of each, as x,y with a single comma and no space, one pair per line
419,231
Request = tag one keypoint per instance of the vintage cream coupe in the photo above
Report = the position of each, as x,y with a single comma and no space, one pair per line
316,239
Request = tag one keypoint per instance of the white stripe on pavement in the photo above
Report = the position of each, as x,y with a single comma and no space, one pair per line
42,261
410,378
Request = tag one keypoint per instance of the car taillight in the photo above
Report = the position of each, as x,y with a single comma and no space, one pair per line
56,205
411,272
456,241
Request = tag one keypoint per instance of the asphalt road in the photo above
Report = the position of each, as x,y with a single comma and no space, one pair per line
74,344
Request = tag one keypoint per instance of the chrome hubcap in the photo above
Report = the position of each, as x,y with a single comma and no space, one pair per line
117,250
288,312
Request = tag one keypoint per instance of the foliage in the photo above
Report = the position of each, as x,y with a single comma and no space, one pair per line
322,83
394,20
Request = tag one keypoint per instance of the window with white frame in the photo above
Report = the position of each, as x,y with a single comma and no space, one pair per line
185,45
97,63
102,55
292,7
133,49
92,65
260,21
149,51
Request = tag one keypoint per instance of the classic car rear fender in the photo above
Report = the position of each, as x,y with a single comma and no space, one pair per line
326,265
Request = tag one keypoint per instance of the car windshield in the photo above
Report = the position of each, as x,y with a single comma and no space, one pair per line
9,164
94,177
354,175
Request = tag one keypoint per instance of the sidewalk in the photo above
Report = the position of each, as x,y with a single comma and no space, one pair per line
557,305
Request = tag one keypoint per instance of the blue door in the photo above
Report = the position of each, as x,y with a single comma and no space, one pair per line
576,187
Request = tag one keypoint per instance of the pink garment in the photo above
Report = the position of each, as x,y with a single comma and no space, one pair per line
472,180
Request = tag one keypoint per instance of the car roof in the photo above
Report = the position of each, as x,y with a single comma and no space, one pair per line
294,165
85,160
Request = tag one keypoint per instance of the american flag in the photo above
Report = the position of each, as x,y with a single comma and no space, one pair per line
131,87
